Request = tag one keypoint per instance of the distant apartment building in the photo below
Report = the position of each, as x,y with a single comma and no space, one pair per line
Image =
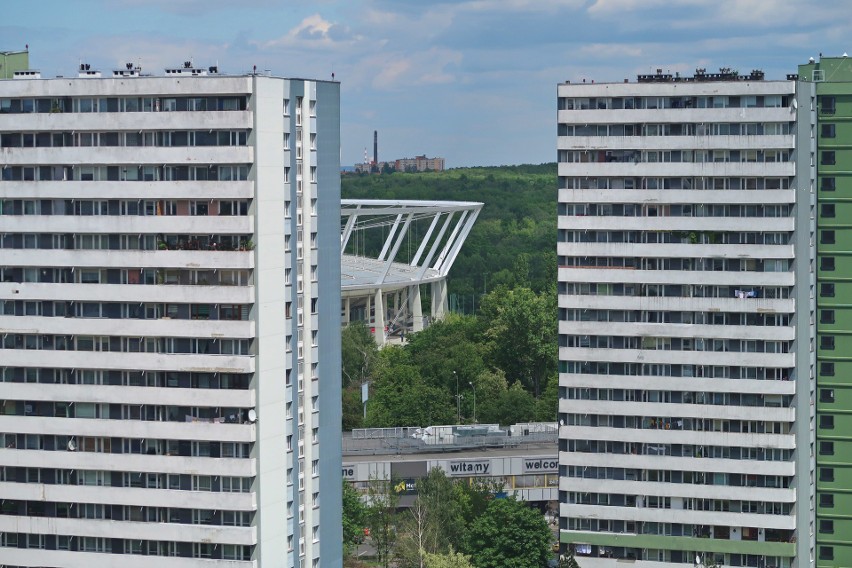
419,164
685,357
170,245
825,163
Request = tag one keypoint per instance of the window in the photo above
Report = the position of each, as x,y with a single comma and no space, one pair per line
826,395
826,448
828,184
828,158
826,421
828,210
827,263
826,553
826,369
826,237
826,316
826,105
826,526
826,474
826,289
828,131
826,500
826,342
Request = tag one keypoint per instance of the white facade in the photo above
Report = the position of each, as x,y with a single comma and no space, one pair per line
160,300
677,330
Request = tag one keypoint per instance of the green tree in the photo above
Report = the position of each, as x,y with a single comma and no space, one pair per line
519,405
353,408
435,520
418,532
472,499
452,344
358,352
547,405
354,516
400,396
491,387
509,535
521,327
451,559
381,517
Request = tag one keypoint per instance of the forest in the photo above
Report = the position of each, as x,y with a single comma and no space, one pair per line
496,354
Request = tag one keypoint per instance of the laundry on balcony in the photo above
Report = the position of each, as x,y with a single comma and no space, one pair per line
743,294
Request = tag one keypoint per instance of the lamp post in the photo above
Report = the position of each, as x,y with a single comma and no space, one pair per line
458,399
474,400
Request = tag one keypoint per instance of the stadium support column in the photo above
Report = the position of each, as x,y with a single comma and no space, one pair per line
379,320
439,299
416,308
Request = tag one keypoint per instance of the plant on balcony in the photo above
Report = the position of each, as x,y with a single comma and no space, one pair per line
247,245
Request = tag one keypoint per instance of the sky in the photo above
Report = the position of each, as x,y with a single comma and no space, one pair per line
472,81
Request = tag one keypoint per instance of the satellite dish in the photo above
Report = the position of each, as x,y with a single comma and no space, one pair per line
72,445
252,415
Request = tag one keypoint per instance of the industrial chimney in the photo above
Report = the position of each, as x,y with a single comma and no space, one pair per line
376,147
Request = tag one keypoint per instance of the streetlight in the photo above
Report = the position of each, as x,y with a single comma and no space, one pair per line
458,400
474,400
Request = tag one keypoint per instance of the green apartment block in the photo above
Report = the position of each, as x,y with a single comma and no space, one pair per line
829,82
11,61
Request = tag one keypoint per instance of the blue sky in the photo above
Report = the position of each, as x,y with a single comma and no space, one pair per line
473,81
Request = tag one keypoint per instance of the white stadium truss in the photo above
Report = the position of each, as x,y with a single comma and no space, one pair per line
389,248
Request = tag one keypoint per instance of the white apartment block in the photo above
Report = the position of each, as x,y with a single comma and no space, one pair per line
677,323
167,389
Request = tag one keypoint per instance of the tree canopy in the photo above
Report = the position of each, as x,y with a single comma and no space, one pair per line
509,535
506,354
354,516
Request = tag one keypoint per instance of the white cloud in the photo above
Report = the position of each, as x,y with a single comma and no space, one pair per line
535,6
187,7
612,50
314,32
396,70
609,7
